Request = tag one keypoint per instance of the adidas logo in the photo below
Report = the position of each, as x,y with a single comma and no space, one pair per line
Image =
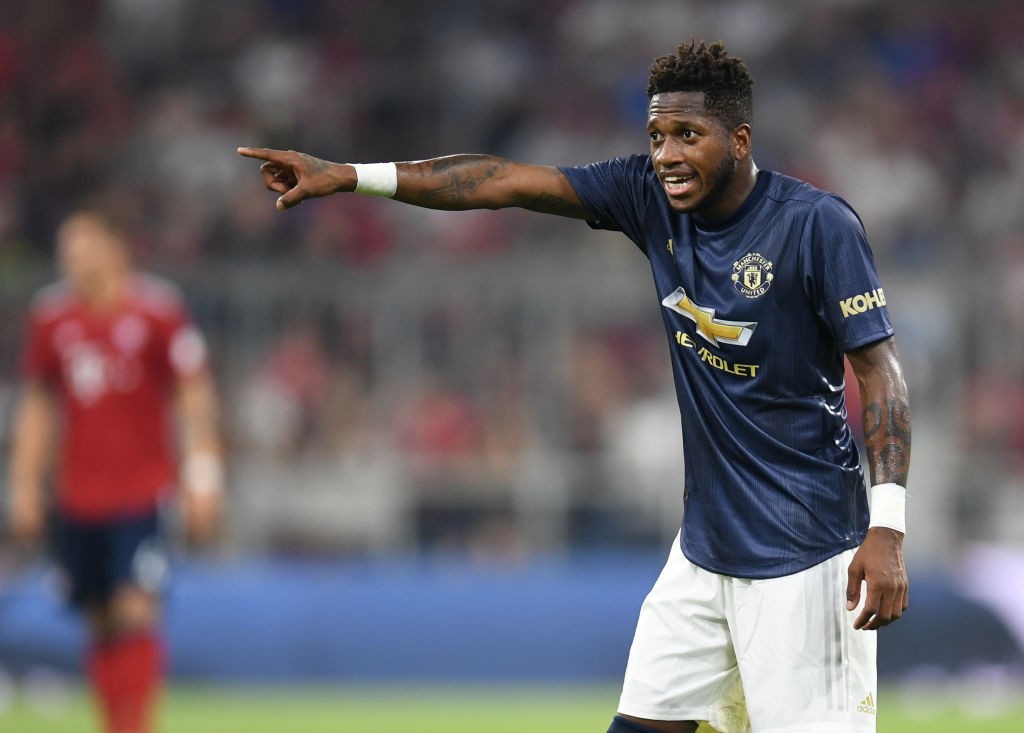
867,705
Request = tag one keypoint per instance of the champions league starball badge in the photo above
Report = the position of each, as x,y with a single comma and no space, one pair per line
752,275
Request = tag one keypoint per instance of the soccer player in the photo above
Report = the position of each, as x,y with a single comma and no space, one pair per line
765,283
108,352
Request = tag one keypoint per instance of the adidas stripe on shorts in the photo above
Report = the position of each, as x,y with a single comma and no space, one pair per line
782,651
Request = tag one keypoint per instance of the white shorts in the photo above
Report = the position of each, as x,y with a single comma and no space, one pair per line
705,642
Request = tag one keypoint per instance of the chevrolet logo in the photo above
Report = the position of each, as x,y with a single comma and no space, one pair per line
712,329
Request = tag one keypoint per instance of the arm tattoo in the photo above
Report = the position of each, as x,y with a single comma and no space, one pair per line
887,440
451,182
458,182
549,203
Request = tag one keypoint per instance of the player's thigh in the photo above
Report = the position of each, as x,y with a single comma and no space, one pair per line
138,566
804,668
80,550
681,660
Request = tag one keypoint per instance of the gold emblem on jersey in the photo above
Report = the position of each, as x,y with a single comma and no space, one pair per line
715,330
752,275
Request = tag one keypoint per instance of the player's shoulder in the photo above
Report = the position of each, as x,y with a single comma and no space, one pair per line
623,165
156,295
800,196
637,164
52,302
641,161
785,188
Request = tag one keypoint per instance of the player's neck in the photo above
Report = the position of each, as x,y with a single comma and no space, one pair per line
740,188
106,293
747,182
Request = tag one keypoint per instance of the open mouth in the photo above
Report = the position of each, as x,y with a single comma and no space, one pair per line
678,184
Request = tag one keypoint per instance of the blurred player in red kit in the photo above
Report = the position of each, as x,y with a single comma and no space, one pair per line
109,355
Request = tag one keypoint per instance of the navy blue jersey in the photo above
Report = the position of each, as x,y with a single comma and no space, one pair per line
758,310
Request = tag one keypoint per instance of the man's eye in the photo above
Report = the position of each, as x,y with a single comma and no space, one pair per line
689,134
655,136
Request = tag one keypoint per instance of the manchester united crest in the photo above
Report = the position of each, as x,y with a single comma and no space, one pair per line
752,275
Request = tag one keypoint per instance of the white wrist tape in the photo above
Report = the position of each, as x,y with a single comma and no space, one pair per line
203,473
376,179
889,507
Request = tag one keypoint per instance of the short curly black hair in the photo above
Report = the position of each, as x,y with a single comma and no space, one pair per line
698,67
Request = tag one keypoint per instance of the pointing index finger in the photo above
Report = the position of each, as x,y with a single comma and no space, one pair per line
274,156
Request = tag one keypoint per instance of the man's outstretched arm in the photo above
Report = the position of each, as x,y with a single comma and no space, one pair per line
452,183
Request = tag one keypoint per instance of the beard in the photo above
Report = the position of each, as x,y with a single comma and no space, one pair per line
718,183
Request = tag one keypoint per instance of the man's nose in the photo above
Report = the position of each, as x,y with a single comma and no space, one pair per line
671,152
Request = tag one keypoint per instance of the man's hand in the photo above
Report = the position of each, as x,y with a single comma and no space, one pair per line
879,561
297,176
202,515
202,479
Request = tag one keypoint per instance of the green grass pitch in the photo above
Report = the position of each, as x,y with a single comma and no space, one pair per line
448,710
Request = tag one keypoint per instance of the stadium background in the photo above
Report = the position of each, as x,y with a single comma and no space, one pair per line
454,452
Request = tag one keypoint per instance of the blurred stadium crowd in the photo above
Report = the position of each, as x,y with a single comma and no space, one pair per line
398,379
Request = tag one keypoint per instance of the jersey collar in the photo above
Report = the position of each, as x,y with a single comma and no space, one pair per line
745,208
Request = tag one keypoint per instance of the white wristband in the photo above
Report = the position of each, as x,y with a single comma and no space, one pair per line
889,507
203,473
376,179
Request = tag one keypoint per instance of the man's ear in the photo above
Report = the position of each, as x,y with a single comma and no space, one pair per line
741,140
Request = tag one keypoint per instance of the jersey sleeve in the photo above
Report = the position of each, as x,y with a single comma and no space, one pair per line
183,346
39,359
614,190
186,353
841,278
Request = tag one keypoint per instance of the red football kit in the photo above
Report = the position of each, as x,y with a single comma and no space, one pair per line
113,374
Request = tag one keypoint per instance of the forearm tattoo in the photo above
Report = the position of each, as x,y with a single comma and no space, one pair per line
452,182
887,440
458,182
